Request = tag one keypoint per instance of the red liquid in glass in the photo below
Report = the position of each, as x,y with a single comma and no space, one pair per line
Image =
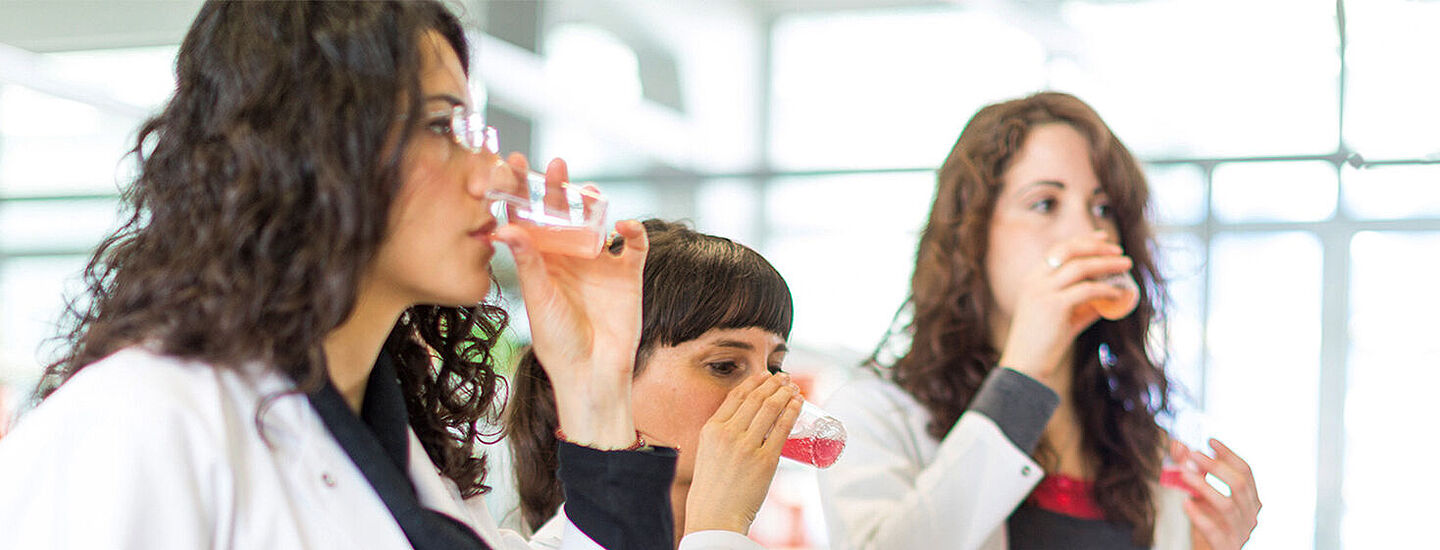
1172,476
817,452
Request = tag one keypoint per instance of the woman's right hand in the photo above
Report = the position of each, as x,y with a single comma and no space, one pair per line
584,320
738,452
1052,307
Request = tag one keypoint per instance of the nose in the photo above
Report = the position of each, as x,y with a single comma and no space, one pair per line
1082,221
483,173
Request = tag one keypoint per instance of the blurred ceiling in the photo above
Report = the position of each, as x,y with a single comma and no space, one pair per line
63,25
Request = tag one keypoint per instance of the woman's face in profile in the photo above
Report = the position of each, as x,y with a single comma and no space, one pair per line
681,386
437,249
1049,194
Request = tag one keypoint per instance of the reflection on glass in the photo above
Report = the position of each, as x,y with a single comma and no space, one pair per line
1391,385
1391,192
1274,191
1263,372
1390,107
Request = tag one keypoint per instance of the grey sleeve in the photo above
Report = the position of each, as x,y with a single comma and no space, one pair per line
1020,405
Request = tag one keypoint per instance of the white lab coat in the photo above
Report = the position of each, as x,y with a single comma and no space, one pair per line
897,487
550,535
151,452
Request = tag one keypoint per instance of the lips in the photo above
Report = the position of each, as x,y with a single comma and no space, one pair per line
484,231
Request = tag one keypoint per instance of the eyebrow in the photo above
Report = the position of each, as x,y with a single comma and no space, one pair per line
1099,190
453,100
737,344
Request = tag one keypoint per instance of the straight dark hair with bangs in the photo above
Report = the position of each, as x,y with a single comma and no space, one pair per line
694,283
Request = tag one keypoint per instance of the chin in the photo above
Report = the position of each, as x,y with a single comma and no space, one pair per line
462,296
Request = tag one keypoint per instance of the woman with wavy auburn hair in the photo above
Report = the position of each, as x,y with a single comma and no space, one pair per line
1023,412
288,345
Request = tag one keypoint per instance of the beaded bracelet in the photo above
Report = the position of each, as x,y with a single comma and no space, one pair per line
639,441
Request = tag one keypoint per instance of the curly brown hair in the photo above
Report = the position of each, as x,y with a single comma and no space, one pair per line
950,348
262,197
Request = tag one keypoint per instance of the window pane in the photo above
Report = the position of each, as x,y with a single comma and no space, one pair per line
51,226
1177,193
729,208
53,146
1390,107
847,250
1263,376
1274,191
1211,77
1391,384
32,292
884,89
1385,192
1182,264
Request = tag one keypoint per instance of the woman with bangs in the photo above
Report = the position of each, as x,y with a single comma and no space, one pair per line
1022,411
715,318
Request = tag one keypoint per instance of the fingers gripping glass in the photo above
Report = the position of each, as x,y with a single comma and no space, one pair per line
569,220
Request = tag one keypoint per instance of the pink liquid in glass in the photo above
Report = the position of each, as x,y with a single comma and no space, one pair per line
817,452
581,242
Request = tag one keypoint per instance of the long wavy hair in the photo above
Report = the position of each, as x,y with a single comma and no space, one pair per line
693,283
946,316
262,197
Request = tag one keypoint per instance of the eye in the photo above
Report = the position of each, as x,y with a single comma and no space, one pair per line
440,126
1044,206
723,368
1103,210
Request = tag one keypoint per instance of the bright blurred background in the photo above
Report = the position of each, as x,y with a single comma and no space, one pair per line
1292,147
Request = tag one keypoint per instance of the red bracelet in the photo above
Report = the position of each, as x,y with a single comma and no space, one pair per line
639,441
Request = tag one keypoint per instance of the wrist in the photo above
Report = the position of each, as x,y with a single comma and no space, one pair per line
591,421
716,524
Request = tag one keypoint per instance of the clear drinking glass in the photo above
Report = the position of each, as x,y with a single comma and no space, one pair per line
573,226
817,438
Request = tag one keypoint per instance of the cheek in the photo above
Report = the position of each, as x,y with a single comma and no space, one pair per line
1011,256
673,413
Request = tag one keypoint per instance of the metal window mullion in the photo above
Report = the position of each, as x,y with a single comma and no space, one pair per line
1334,338
1335,241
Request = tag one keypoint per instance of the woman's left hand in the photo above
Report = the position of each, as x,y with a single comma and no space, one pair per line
738,452
1217,521
584,321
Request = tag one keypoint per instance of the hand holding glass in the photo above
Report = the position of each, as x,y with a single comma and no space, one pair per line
571,222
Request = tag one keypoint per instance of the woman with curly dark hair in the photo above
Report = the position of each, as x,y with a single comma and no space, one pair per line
287,344
1022,413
